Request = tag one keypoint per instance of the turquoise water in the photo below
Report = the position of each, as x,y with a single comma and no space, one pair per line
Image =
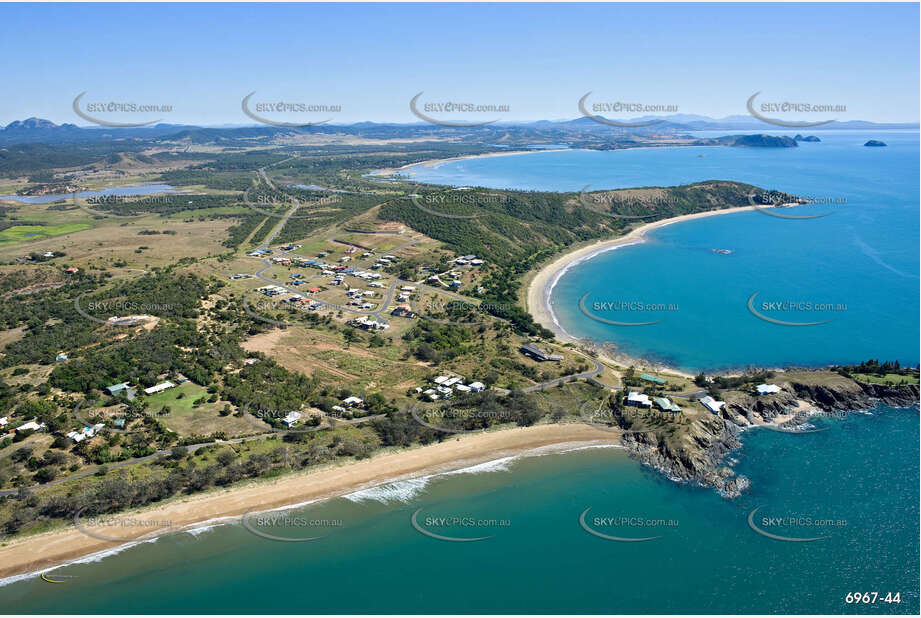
862,472
862,260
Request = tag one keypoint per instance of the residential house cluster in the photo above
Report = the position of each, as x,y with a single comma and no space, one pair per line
642,400
368,323
472,260
445,386
85,433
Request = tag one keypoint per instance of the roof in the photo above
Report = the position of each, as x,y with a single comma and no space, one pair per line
764,389
649,378
665,404
115,388
712,404
641,398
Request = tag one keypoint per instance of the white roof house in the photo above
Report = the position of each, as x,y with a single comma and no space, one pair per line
441,379
712,404
638,399
462,388
3,421
162,386
352,401
451,381
291,419
476,387
30,425
767,389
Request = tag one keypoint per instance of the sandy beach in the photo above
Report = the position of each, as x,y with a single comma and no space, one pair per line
540,286
37,553
389,171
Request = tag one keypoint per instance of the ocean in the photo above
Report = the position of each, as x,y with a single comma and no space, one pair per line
856,484
856,269
853,488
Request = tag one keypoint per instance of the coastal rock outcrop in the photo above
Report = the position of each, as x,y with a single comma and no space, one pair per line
697,453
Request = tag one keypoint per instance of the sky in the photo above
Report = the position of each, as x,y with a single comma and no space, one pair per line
536,59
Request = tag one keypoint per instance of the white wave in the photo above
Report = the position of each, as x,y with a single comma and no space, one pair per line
496,465
589,446
89,559
548,292
396,491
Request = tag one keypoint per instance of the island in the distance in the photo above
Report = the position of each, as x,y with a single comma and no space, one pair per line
875,143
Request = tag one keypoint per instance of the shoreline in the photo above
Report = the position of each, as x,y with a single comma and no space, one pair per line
433,163
32,555
540,287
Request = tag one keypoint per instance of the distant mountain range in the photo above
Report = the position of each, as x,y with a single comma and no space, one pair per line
38,130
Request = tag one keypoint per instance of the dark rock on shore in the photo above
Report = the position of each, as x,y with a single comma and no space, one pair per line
699,455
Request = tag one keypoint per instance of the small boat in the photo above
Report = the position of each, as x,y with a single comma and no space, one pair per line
722,251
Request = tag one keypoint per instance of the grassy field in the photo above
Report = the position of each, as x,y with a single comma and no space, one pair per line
889,378
20,233
186,418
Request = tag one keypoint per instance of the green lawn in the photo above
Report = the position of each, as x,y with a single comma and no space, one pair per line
187,419
872,378
19,233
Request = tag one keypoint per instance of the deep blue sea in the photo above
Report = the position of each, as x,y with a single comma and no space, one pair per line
856,270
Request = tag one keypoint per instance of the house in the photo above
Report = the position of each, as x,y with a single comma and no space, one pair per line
117,388
451,381
4,420
462,388
653,379
71,271
60,358
119,423
128,320
88,432
667,406
251,361
403,311
339,409
640,400
712,404
352,401
162,386
477,387
529,349
441,380
31,425
291,419
767,389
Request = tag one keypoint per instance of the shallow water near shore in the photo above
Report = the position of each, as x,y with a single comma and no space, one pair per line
862,471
